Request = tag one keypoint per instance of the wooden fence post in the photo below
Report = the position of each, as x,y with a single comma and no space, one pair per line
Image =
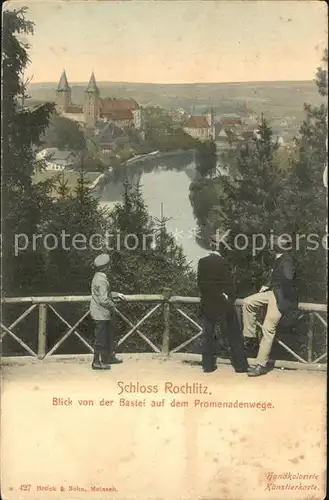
310,335
166,319
42,331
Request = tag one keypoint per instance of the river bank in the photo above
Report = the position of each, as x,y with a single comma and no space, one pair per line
133,169
165,185
148,162
166,179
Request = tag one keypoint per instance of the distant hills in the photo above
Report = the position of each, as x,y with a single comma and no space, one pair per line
281,98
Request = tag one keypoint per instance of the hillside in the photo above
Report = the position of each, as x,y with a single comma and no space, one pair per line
272,98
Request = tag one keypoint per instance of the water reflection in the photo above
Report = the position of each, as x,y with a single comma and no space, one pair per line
170,189
166,191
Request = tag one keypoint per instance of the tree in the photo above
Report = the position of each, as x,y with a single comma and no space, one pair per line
79,216
30,214
203,198
73,229
157,121
63,134
247,205
305,195
268,194
321,78
25,204
145,260
206,158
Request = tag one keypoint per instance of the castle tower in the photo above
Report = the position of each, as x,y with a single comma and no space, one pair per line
92,103
211,122
63,94
210,117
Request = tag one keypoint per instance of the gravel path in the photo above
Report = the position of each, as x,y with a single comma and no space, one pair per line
160,430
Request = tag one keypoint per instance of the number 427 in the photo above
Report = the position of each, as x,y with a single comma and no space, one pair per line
25,487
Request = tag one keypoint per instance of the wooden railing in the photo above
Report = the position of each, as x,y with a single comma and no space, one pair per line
168,303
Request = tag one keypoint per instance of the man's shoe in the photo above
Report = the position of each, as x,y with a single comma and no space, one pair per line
257,370
210,370
98,365
242,370
115,361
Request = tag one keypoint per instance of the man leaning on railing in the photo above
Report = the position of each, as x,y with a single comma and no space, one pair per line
102,305
280,296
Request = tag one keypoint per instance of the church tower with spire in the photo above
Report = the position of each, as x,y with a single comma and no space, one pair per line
63,94
92,103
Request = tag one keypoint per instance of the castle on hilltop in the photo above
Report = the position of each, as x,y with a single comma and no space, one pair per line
122,112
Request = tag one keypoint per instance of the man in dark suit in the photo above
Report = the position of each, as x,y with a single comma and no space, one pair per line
217,292
280,296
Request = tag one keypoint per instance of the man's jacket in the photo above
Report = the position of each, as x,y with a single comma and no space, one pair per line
214,280
101,302
282,282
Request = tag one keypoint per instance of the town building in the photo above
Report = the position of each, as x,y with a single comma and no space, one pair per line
57,160
106,135
121,112
228,121
200,127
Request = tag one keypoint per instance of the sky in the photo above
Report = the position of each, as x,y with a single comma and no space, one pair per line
177,41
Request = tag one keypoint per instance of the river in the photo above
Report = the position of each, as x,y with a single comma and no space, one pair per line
166,192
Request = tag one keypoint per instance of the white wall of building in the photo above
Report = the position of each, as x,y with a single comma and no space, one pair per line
76,117
200,133
137,118
51,166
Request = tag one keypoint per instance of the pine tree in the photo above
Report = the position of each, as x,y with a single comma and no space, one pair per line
155,263
305,195
267,196
155,248
322,75
58,266
25,205
248,205
78,216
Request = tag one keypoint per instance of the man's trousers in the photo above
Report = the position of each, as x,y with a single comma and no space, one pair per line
104,339
230,328
251,306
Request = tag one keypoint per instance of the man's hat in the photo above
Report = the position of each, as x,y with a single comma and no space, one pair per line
102,260
218,241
